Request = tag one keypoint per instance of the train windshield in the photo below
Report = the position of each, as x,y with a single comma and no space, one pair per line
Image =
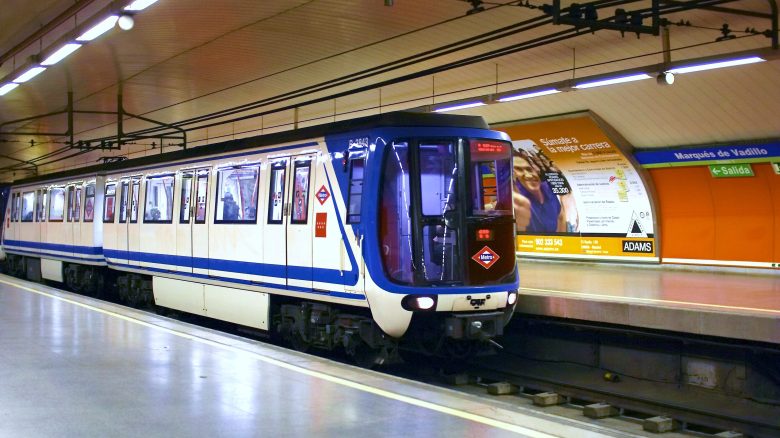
431,191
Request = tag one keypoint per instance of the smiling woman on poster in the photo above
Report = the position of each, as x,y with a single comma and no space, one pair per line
537,208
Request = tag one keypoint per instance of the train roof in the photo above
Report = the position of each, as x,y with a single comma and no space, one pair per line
395,119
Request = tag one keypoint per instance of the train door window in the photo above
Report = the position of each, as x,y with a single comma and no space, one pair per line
28,206
186,193
109,203
159,199
69,215
355,190
56,204
438,193
395,220
300,209
237,188
89,202
77,203
15,206
123,202
276,198
40,206
134,201
201,191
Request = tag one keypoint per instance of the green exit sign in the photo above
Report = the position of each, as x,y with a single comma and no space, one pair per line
730,170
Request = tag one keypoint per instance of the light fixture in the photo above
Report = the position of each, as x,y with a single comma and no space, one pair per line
511,298
717,64
610,81
529,95
139,5
459,106
665,78
99,29
125,22
60,54
7,87
425,303
29,74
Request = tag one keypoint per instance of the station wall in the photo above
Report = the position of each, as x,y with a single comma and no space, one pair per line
728,221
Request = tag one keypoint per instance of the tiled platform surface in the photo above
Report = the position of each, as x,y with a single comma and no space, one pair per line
74,366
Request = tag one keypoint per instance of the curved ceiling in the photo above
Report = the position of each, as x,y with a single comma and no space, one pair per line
321,60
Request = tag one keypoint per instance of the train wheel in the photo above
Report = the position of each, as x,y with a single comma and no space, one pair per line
298,343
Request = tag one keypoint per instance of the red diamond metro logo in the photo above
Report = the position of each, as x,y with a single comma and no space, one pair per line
486,257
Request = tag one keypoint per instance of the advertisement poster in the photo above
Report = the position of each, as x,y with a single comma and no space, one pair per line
576,195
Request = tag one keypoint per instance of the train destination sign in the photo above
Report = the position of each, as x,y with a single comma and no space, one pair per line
730,170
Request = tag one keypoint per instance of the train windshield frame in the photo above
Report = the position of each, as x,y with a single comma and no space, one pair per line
431,190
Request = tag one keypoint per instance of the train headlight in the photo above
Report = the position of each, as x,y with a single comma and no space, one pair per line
419,302
511,299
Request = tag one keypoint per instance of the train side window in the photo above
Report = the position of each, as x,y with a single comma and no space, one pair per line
123,202
186,194
28,205
238,187
134,201
57,204
395,219
40,206
77,204
89,203
69,215
355,191
300,210
109,204
201,191
159,200
276,193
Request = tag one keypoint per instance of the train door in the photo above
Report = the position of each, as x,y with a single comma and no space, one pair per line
133,228
191,227
74,213
274,231
300,226
123,217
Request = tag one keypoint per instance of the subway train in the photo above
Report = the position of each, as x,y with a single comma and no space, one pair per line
364,234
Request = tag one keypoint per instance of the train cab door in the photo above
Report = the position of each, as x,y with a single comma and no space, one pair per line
133,227
274,231
192,238
74,213
300,224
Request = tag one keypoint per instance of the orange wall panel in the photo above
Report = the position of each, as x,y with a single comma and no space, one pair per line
726,219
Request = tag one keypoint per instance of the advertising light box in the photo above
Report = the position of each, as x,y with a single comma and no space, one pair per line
577,194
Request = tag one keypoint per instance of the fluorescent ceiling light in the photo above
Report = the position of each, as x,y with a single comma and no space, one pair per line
457,107
718,64
99,29
60,54
29,74
6,88
618,80
529,95
139,5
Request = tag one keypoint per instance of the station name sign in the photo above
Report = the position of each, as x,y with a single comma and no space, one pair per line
756,153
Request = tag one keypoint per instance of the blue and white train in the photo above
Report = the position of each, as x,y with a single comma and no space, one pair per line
356,234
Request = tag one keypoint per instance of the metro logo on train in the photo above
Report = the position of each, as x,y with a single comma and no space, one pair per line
486,257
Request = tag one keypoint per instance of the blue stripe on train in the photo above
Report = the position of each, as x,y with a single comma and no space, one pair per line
88,250
244,282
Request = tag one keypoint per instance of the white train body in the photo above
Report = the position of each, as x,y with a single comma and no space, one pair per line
227,231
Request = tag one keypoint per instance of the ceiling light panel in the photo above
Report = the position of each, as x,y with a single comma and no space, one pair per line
99,29
60,54
718,64
610,81
29,74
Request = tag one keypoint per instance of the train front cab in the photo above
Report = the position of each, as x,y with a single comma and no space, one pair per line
444,248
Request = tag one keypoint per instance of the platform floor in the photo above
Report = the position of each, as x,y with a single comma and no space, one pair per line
74,366
713,302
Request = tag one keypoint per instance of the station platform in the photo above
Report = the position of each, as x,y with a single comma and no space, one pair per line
712,302
75,366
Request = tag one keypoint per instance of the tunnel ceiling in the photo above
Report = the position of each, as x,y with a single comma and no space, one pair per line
315,61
